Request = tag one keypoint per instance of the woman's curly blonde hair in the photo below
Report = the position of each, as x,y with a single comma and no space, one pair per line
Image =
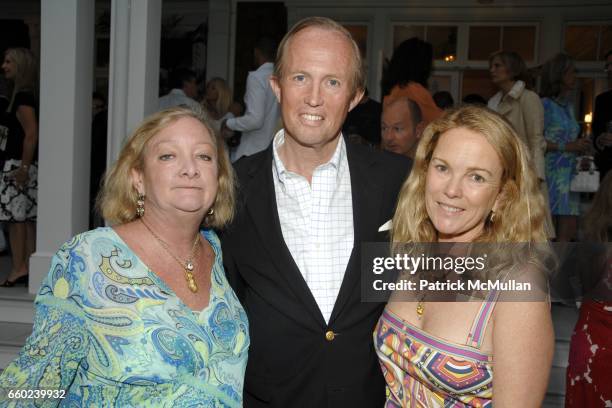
117,199
519,216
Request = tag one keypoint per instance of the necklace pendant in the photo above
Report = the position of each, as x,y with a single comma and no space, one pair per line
191,284
420,309
189,266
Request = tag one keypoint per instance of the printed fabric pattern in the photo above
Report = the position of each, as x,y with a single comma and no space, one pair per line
422,370
560,126
111,333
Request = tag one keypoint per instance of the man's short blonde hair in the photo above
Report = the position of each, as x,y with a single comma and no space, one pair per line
117,200
357,75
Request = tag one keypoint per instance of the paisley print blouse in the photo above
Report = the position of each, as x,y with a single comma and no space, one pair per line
109,332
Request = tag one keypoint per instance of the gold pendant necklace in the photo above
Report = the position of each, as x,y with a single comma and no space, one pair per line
420,309
188,265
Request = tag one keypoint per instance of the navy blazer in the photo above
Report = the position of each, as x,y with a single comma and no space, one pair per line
294,360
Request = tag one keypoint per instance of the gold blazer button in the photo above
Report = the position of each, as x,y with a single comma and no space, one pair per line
330,335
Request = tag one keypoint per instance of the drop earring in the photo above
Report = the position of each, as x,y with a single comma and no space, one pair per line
140,205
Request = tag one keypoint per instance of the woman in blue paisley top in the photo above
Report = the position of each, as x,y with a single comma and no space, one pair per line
141,314
561,131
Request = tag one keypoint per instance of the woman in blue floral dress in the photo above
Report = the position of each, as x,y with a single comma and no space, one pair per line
561,131
141,314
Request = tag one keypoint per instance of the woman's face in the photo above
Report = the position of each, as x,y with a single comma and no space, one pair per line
9,67
211,92
180,170
569,78
499,72
462,185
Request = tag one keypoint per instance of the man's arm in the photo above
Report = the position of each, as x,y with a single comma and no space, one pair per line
601,138
254,99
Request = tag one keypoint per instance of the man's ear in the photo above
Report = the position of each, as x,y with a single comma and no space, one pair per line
356,99
275,84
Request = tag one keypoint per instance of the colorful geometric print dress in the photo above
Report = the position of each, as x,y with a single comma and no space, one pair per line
422,370
560,126
110,333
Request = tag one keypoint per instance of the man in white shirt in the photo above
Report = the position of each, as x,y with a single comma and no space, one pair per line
262,112
293,251
184,90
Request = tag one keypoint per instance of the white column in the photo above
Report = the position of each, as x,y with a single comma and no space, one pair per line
551,36
218,56
376,53
134,67
67,35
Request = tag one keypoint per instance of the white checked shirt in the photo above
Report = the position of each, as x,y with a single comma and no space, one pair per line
317,222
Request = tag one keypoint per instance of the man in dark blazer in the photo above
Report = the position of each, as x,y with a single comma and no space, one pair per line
293,251
602,122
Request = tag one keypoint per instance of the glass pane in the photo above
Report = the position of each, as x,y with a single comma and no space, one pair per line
439,82
402,33
606,41
484,41
360,35
520,40
586,97
581,42
444,42
477,81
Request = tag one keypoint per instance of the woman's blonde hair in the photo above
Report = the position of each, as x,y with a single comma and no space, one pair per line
598,220
519,216
117,200
224,96
26,71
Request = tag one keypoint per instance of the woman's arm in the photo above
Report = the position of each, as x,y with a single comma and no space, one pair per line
27,118
523,346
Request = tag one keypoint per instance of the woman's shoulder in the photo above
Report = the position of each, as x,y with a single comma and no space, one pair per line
89,243
25,97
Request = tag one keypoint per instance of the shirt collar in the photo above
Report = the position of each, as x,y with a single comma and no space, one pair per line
517,89
177,91
334,162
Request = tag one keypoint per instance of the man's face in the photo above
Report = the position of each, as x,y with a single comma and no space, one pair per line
191,88
315,91
398,133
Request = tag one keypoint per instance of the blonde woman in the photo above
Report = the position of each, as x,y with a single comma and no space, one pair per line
18,180
140,313
471,182
218,102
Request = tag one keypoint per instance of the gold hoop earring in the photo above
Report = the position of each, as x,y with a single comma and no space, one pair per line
492,217
211,211
140,210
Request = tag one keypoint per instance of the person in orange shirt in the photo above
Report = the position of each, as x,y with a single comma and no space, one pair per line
407,74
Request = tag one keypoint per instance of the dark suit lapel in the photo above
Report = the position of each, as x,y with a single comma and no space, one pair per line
261,205
366,208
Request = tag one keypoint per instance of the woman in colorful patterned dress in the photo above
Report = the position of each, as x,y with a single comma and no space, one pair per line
471,182
561,132
141,314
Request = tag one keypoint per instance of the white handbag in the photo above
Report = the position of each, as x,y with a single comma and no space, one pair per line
585,181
